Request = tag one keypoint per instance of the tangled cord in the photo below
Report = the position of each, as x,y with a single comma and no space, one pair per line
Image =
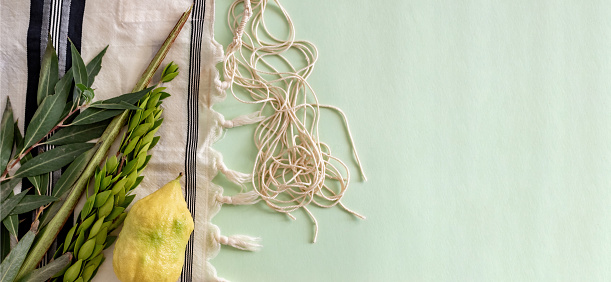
293,168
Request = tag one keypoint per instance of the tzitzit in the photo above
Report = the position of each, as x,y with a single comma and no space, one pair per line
293,168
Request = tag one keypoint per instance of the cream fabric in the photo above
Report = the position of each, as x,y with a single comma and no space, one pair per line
134,31
135,35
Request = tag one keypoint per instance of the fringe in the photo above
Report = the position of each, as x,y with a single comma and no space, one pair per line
242,242
247,198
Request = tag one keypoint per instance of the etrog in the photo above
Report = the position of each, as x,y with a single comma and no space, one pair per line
155,233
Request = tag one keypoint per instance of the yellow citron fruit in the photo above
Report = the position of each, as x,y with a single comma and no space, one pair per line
155,233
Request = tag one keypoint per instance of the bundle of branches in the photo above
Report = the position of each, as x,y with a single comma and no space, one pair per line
68,119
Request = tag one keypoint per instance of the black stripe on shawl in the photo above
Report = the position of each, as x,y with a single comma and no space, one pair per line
33,62
36,41
197,21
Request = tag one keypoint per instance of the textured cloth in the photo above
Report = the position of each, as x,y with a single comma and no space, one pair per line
134,31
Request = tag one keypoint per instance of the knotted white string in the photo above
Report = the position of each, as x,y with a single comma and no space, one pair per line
232,175
247,198
293,168
241,120
241,242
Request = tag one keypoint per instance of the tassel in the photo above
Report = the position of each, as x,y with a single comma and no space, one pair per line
222,86
242,120
242,242
247,198
232,175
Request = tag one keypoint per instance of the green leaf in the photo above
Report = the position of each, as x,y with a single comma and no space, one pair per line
95,228
71,173
85,224
130,98
64,184
64,84
131,145
85,93
49,72
10,203
111,164
18,138
86,250
109,241
79,71
94,66
5,243
32,202
45,273
106,209
169,77
40,182
79,240
120,106
12,224
7,135
73,272
164,95
101,198
141,129
78,133
116,211
154,142
52,160
169,72
69,238
46,118
12,263
87,207
138,180
6,189
92,115
128,200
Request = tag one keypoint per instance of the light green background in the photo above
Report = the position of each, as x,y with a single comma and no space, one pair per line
484,129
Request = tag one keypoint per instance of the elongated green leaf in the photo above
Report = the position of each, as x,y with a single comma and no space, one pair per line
154,142
120,106
7,187
79,71
46,272
52,160
18,138
12,263
5,243
32,202
78,133
164,95
12,224
46,117
94,66
91,115
64,84
130,98
10,203
40,182
6,135
49,72
71,173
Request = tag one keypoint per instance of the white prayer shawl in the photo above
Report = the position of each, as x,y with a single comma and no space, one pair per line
134,31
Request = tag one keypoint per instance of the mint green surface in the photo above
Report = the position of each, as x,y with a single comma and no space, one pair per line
484,128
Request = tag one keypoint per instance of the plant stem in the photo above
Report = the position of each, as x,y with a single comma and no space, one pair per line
48,234
24,151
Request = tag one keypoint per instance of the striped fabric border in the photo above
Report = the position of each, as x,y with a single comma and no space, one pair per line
60,19
197,27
